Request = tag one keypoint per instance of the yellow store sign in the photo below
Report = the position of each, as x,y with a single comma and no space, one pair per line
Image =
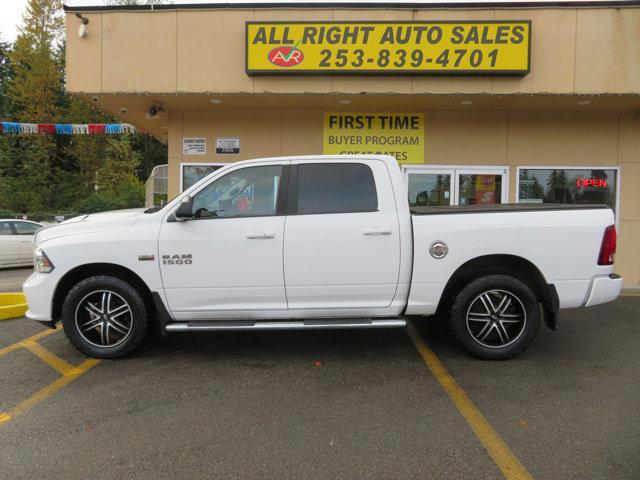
397,134
401,48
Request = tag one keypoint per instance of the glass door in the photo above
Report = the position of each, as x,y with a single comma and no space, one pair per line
456,185
429,187
481,186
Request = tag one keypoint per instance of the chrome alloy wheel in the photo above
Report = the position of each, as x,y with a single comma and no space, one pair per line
103,318
496,318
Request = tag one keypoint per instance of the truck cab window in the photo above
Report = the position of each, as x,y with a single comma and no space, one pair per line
336,188
248,192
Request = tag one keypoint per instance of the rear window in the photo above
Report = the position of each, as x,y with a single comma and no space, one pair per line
336,188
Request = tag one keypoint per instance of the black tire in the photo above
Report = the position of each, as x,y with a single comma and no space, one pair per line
122,328
505,335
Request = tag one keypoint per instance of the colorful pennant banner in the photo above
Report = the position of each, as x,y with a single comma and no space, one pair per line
66,128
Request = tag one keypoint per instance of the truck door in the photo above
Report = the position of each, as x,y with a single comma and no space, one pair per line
342,241
229,257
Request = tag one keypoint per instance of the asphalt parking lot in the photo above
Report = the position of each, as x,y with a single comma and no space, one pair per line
360,404
11,279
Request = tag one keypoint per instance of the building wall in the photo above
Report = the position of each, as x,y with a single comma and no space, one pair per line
457,138
134,58
578,51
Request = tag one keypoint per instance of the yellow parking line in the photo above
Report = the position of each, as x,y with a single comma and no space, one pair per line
51,359
47,391
504,458
21,343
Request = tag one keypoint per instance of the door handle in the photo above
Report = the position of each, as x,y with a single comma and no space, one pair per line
260,235
376,231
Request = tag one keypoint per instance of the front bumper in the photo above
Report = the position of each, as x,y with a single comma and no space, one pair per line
39,289
604,289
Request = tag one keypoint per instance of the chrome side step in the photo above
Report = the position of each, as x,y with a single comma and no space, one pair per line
311,324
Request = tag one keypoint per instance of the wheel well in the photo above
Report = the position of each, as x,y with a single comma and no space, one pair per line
72,277
511,265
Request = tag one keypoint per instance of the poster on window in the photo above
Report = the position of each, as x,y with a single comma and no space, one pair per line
485,193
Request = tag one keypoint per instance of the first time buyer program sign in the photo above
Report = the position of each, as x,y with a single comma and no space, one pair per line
398,134
387,48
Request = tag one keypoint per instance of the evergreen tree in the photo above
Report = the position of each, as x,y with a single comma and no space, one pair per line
35,86
6,73
48,174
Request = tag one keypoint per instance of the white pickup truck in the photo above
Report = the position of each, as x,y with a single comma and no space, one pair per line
319,242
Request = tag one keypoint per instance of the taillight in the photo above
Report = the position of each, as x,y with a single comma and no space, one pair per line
608,246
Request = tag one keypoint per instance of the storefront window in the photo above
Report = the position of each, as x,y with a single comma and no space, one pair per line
480,189
193,173
427,189
441,185
555,185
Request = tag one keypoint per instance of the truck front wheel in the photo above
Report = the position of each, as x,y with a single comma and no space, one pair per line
495,317
104,317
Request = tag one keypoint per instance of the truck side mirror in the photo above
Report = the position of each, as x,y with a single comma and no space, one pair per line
185,210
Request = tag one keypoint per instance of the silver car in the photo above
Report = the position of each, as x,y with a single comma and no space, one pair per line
16,242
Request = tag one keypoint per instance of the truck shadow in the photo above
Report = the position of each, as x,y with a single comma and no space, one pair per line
581,334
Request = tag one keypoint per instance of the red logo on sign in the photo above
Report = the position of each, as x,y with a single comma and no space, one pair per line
591,182
286,56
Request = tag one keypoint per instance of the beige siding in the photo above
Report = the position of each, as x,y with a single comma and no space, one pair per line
553,35
563,138
573,51
608,51
471,138
138,52
209,49
85,55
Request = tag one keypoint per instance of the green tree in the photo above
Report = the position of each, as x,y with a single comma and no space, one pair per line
33,91
6,73
35,86
154,152
65,173
119,166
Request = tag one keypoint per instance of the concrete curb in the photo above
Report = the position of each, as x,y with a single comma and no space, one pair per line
12,305
632,290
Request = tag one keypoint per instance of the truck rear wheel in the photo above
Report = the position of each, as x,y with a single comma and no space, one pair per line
495,317
104,317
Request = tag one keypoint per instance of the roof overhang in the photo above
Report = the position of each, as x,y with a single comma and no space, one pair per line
131,107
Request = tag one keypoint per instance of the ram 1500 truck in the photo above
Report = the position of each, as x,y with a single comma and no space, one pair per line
320,242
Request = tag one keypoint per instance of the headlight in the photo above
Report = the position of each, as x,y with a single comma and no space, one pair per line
42,262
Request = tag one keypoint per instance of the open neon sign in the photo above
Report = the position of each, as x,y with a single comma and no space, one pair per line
591,182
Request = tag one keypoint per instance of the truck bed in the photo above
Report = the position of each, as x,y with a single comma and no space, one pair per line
499,208
561,243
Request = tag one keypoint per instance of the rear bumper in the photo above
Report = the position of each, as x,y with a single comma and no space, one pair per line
604,289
